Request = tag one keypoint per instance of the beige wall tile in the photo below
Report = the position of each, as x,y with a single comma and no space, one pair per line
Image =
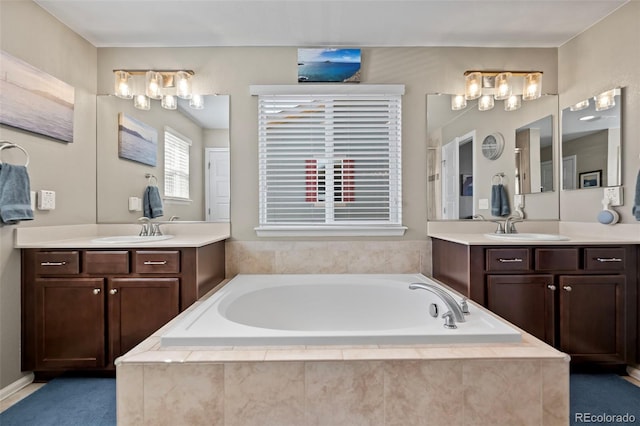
555,392
129,394
264,394
502,392
184,394
423,393
344,393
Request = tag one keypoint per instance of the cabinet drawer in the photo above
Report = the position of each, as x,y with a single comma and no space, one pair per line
557,259
57,262
604,259
511,259
106,262
156,261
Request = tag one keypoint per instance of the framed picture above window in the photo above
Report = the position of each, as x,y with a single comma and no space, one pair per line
328,65
591,179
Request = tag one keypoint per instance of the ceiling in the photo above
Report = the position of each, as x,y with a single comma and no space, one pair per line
319,23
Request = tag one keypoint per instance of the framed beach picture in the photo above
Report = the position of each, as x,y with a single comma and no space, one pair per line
137,141
35,101
590,179
328,65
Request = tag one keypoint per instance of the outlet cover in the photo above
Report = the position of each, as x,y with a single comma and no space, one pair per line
614,194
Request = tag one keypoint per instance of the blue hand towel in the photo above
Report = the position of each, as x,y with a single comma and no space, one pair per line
636,203
15,195
152,202
499,201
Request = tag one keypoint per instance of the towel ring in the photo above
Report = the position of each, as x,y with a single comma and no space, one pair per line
500,177
149,176
7,144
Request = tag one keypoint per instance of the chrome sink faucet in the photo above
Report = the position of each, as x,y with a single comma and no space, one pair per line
509,223
455,312
146,226
155,229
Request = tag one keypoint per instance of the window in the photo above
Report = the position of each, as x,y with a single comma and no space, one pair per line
176,165
330,162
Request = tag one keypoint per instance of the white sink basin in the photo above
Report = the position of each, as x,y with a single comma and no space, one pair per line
131,239
527,237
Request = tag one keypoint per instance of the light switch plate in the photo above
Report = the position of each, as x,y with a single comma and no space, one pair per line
483,203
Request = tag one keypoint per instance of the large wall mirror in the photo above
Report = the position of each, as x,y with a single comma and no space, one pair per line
464,160
124,171
591,142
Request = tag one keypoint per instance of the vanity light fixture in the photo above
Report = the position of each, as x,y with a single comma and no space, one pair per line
163,85
500,85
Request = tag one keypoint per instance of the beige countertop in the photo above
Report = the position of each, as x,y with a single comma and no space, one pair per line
84,236
474,233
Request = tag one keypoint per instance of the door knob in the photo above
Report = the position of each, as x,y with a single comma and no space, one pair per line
113,291
96,291
551,287
567,287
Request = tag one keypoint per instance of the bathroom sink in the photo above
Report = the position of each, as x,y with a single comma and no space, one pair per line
527,237
131,239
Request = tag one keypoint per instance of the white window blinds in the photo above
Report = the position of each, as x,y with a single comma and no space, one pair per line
176,164
327,160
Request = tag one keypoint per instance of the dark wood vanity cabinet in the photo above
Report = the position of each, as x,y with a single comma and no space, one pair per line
580,299
81,309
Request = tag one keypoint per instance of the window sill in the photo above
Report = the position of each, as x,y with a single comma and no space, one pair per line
330,231
175,200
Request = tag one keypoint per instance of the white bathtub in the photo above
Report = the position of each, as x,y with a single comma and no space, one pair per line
259,310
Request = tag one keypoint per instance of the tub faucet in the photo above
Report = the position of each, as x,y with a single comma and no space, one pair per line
455,312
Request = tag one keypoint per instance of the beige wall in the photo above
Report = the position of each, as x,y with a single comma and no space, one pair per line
230,71
29,33
605,56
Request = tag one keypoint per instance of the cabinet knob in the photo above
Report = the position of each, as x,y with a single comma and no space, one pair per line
551,287
96,291
113,291
567,287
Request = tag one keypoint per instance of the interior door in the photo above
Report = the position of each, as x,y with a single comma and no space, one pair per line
218,189
450,180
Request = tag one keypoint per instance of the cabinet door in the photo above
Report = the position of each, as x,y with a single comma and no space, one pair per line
526,301
592,317
137,308
70,323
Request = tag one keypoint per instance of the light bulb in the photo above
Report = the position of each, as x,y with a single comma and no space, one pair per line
512,103
486,103
142,102
532,86
153,85
503,86
169,102
473,86
458,102
122,84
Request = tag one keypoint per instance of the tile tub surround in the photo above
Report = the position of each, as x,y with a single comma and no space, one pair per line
525,383
322,257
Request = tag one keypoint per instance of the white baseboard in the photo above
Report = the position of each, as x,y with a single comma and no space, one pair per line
634,371
14,387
